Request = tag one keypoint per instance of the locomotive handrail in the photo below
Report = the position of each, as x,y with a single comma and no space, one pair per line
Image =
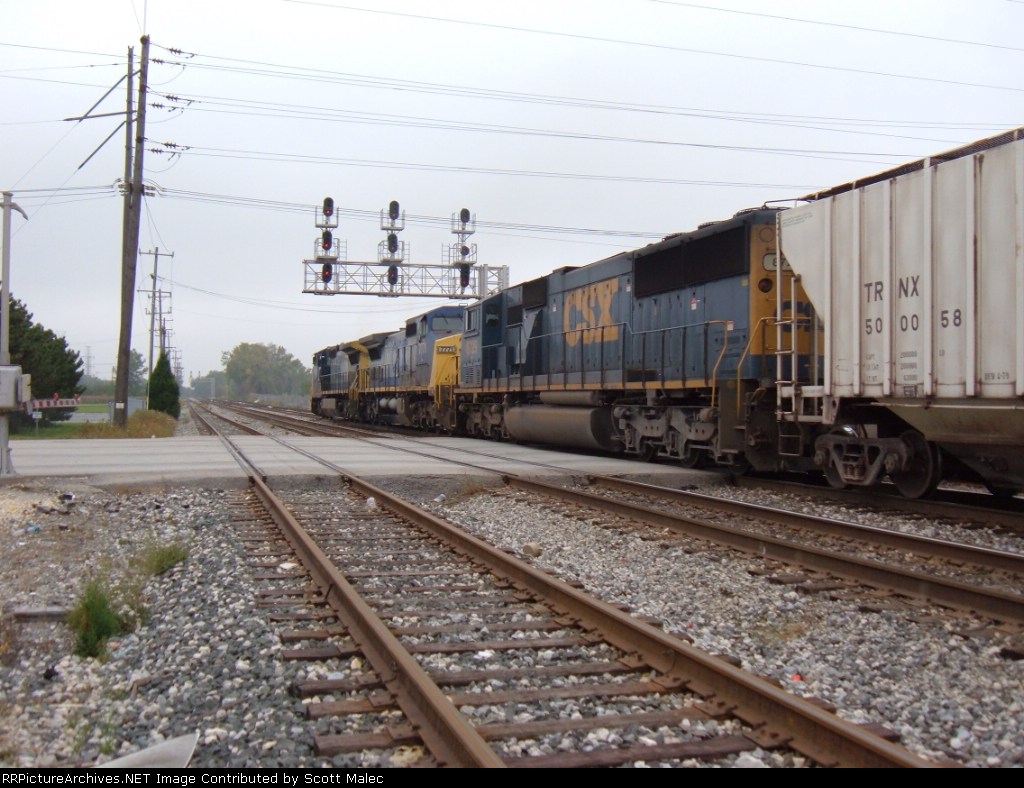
721,355
743,357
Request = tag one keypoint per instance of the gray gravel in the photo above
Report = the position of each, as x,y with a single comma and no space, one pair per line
948,696
207,661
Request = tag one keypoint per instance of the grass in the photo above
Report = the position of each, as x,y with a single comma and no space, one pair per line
108,608
62,429
141,424
94,620
93,407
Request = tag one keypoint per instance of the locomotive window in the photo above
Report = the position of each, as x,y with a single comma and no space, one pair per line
471,319
491,316
446,323
715,256
410,329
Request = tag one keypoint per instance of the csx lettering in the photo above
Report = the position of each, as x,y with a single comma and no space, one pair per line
580,313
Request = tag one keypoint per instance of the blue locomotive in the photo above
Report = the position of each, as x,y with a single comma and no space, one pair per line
658,352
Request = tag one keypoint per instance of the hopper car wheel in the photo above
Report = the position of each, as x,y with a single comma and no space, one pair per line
925,470
835,481
693,458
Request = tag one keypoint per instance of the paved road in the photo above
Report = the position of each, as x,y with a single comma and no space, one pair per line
206,460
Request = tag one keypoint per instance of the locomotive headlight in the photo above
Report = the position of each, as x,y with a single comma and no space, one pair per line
765,285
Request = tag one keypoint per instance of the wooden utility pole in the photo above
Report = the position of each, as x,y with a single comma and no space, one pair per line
130,241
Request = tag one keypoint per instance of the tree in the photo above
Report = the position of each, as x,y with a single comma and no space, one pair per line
264,369
54,367
163,389
136,374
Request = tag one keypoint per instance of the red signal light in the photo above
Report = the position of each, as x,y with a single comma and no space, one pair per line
328,207
326,272
392,275
326,241
464,275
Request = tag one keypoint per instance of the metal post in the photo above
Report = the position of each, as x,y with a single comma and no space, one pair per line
6,465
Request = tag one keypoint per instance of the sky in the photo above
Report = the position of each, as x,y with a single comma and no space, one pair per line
572,129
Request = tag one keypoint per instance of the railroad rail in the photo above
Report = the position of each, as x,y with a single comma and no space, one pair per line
941,590
645,660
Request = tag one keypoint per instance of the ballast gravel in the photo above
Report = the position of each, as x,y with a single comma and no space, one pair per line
949,695
207,660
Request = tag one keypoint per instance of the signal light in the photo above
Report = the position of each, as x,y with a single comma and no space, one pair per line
393,211
392,275
326,241
464,250
326,272
392,243
464,216
328,207
464,275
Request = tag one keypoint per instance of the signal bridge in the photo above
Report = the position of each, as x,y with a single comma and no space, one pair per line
459,276
414,279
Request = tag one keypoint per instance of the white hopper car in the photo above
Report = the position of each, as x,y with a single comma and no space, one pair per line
916,279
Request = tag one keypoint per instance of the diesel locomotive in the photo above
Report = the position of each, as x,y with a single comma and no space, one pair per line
875,330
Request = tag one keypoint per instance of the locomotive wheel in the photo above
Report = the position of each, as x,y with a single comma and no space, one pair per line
925,471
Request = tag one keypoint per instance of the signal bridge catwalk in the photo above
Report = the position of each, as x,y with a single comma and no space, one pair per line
415,279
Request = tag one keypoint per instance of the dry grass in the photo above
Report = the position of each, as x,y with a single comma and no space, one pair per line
141,424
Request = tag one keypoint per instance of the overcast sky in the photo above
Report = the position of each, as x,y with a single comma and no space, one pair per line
576,128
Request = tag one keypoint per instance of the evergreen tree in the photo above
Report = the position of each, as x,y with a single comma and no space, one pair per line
163,389
54,367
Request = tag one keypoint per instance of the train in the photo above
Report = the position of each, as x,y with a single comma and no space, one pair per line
871,331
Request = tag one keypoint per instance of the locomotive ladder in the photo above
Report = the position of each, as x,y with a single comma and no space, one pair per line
798,401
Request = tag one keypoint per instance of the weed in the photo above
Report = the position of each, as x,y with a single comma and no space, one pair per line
94,620
157,559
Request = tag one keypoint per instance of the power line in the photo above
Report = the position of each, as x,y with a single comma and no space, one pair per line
651,45
840,25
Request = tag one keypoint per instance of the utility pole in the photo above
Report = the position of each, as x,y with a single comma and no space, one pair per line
130,241
154,293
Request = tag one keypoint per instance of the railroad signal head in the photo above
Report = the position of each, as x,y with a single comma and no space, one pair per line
464,275
326,272
464,250
392,275
464,216
393,210
328,207
392,243
327,241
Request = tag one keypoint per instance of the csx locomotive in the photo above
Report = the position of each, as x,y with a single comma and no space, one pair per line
875,331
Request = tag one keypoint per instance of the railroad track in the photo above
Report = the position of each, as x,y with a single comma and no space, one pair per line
991,587
434,612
